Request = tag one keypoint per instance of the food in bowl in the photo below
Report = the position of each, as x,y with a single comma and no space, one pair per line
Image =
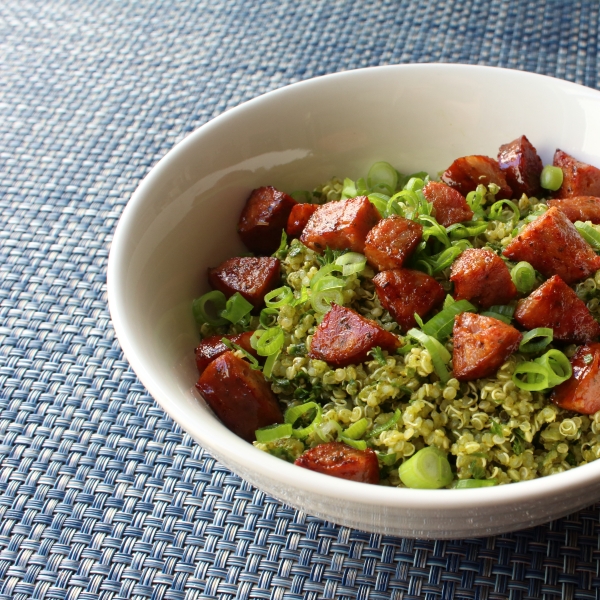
427,334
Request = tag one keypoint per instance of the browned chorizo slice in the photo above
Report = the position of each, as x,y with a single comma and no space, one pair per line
343,461
263,218
554,304
251,276
342,225
239,395
449,205
579,208
345,338
404,292
481,276
521,166
299,217
481,345
211,347
391,242
579,178
466,173
554,247
581,393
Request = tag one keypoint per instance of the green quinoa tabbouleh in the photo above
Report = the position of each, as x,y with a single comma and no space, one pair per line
489,428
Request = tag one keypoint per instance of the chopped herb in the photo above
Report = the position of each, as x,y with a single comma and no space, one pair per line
377,354
517,446
476,470
495,428
297,349
570,458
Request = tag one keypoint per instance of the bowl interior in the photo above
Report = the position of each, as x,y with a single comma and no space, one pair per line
182,219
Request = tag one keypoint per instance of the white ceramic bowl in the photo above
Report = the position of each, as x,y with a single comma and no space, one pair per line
183,218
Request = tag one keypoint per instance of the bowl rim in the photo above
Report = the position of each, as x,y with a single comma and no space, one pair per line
227,445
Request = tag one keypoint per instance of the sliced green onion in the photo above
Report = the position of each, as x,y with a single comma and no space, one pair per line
323,271
444,259
269,364
415,183
279,297
383,178
439,355
508,310
235,347
268,317
431,228
236,308
440,325
352,262
271,433
293,414
328,282
523,276
217,302
387,459
551,178
361,187
448,300
536,377
458,231
380,202
463,484
280,252
589,234
428,469
358,444
558,366
387,425
322,301
349,189
270,341
403,350
496,211
536,339
476,200
356,430
302,196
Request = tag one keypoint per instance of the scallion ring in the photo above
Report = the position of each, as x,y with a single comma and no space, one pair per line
356,430
536,339
551,178
458,231
589,234
428,469
236,308
216,302
279,297
380,202
322,301
358,444
351,262
439,354
558,366
523,276
387,425
268,317
536,377
497,208
273,432
270,342
440,325
327,283
323,271
269,364
293,414
463,484
382,177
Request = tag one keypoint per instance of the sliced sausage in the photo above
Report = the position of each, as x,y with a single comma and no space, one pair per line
579,178
298,219
251,276
211,347
581,393
345,338
553,246
466,173
554,304
481,345
521,166
480,275
240,396
391,242
341,225
579,208
449,205
343,461
404,292
263,218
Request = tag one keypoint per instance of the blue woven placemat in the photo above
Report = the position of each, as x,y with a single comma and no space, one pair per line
101,495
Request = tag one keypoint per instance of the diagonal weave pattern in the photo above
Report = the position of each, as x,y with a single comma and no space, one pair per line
101,495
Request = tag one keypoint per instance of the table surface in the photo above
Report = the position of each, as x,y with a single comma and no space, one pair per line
102,496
